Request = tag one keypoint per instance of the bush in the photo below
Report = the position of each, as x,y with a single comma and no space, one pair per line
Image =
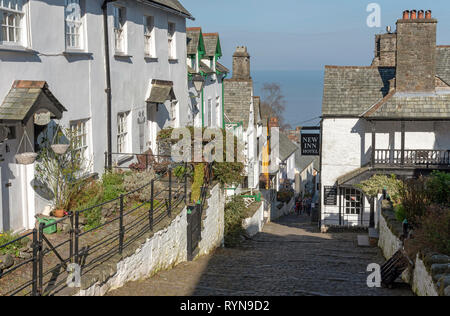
285,196
234,215
113,185
199,176
14,248
414,199
378,183
228,172
438,188
90,195
434,230
400,212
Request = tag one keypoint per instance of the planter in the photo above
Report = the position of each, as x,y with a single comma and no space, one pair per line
50,229
26,158
59,213
60,149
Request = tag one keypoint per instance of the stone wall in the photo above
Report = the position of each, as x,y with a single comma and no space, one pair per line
255,224
419,277
163,250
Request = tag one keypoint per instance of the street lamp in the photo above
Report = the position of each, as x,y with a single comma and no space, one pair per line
198,83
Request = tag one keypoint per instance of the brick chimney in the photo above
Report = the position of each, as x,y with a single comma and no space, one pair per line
416,52
241,64
273,122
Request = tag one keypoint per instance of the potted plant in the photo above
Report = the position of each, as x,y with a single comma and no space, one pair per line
61,175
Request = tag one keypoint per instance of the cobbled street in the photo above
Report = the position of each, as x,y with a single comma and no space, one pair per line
290,257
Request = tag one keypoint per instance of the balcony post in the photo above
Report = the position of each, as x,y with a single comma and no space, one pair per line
403,128
373,144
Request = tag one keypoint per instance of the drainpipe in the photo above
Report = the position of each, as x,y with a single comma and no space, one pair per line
108,85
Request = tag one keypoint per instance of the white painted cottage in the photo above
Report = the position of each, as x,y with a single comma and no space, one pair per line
392,117
53,57
203,53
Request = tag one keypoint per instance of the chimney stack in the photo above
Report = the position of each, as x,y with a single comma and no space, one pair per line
241,64
273,122
416,53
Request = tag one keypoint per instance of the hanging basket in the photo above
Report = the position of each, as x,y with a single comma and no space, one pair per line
26,158
60,149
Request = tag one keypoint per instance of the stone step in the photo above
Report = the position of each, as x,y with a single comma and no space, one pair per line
363,241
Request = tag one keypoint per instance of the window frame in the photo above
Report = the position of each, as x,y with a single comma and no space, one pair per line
171,38
80,129
19,31
80,27
356,206
149,37
123,132
120,29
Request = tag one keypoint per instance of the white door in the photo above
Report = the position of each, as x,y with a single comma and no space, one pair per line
11,186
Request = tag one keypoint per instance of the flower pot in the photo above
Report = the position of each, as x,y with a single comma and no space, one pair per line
26,158
60,149
59,213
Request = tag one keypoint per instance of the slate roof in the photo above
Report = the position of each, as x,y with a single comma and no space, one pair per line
205,69
161,91
302,162
370,92
211,41
221,68
26,98
193,38
287,148
174,5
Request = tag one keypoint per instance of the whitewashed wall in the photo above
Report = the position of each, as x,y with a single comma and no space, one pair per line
78,80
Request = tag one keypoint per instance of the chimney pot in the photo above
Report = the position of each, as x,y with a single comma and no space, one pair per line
428,15
406,15
421,14
413,14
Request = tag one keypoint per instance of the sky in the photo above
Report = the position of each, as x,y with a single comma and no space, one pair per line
305,34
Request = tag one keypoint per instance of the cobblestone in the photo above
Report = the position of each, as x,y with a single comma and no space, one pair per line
290,257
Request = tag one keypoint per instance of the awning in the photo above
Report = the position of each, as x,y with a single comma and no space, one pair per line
27,98
161,91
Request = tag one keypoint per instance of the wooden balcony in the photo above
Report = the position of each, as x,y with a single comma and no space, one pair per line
436,159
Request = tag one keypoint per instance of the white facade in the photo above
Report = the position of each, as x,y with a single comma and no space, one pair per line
347,146
74,69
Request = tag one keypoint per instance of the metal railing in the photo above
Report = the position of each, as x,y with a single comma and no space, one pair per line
417,157
49,268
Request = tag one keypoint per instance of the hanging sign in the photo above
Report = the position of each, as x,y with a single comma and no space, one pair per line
42,118
310,144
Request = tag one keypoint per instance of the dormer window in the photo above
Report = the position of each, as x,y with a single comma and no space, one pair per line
12,20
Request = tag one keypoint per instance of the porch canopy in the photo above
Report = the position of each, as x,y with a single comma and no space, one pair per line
27,98
161,92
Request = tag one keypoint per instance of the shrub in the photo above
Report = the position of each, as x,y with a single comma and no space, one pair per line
285,196
14,248
438,188
112,185
434,230
400,212
180,171
378,183
228,172
414,199
234,215
90,195
199,176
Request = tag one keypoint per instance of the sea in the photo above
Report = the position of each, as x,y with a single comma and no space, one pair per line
302,91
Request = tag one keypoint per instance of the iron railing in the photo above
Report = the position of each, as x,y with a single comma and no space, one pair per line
417,157
48,269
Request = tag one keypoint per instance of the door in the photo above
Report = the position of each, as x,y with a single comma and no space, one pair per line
353,207
11,186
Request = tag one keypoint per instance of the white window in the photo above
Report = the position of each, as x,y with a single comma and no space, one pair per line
122,132
218,114
12,19
148,36
171,38
79,134
119,29
353,201
74,24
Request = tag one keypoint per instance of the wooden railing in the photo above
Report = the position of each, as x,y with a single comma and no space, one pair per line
417,157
